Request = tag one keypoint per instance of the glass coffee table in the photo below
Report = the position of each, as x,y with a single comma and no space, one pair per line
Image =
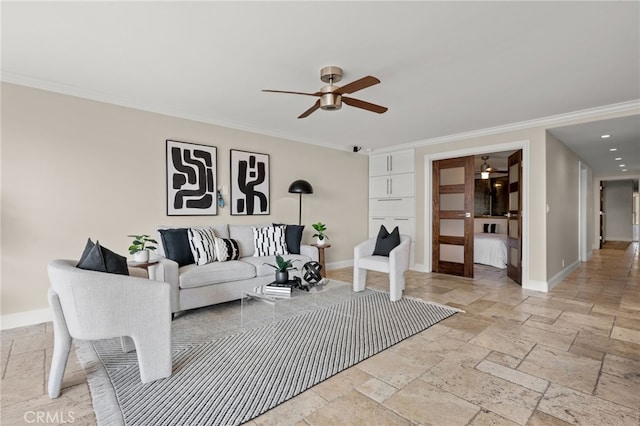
260,308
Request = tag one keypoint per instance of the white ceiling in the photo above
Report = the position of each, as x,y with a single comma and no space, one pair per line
446,67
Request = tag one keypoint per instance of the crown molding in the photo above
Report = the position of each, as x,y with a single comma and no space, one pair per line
553,120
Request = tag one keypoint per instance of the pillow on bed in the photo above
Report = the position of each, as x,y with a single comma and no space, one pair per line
490,227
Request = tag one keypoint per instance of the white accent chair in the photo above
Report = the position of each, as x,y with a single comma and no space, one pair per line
395,265
92,305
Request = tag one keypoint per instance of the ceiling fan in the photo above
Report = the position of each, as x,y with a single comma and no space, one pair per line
332,96
486,169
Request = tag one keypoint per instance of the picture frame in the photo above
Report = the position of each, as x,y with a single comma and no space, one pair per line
250,183
191,179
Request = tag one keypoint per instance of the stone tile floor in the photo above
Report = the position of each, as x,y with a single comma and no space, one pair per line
570,356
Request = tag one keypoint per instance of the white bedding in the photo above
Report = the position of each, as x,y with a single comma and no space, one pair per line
490,249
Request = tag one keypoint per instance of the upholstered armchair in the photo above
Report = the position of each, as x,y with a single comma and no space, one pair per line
92,305
395,265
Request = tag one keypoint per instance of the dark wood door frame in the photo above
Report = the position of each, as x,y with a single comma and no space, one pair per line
467,188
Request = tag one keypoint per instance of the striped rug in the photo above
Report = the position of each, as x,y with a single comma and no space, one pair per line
238,374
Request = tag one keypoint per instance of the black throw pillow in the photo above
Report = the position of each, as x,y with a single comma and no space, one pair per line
101,259
493,228
176,245
485,228
293,237
385,242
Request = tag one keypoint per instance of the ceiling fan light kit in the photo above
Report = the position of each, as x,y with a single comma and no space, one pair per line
331,96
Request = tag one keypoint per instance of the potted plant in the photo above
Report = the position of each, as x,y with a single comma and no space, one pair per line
282,269
141,246
320,235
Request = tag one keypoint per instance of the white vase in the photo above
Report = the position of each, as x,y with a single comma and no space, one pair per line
321,242
141,256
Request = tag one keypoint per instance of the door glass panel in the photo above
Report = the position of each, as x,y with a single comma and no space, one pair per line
451,202
452,227
513,256
451,253
513,201
513,173
452,176
513,228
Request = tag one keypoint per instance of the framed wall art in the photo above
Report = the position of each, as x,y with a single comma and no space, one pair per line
249,183
191,179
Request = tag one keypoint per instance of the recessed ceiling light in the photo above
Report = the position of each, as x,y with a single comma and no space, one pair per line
622,165
605,136
613,149
618,158
624,170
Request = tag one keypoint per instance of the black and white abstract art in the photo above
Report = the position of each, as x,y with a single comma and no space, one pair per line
191,179
249,183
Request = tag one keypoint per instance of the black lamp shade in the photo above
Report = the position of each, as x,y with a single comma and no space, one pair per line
301,187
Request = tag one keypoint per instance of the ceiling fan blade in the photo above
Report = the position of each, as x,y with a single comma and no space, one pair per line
310,110
364,105
354,86
292,93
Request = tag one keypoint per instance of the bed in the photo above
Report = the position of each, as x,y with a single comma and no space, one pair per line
490,249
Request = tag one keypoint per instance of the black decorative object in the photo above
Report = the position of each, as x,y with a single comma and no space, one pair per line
311,272
249,183
300,187
191,179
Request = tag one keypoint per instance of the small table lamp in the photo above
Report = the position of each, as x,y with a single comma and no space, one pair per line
300,187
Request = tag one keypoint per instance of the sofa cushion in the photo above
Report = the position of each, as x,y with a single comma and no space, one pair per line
192,276
201,241
243,234
263,270
226,249
269,241
175,242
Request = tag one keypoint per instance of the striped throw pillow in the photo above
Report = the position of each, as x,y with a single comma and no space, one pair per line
202,244
269,241
227,249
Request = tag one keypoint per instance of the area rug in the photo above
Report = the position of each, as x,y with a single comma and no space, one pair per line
236,374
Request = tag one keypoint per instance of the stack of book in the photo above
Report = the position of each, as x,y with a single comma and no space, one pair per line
273,290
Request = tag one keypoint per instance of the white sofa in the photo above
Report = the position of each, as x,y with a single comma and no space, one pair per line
194,286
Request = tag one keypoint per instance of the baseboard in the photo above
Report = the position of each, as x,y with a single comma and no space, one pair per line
22,319
557,278
340,264
418,267
536,285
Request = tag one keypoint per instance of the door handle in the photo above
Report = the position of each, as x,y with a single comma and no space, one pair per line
464,214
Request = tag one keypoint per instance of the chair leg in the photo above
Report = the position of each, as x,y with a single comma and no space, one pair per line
359,279
154,357
61,346
396,285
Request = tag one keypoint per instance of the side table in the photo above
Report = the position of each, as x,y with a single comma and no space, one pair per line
143,265
321,248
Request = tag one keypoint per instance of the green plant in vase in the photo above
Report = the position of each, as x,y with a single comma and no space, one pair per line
282,268
141,246
320,235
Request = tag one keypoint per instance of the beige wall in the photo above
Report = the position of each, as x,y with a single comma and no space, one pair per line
74,168
563,217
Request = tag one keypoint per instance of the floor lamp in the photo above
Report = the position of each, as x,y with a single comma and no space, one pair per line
300,187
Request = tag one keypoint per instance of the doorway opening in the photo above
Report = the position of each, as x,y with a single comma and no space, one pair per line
491,198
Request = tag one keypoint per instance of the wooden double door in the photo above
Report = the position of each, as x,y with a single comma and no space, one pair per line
453,216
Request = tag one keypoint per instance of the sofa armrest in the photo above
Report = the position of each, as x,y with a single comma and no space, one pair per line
309,251
167,270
